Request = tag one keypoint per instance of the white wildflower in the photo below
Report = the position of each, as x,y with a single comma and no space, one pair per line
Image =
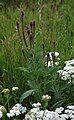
35,110
72,76
56,54
17,112
51,56
59,110
1,114
68,71
67,68
6,91
64,116
71,107
60,72
46,97
56,63
12,113
17,109
50,63
8,115
36,104
23,110
37,114
15,88
69,62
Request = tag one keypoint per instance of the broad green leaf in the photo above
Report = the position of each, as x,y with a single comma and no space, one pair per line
26,94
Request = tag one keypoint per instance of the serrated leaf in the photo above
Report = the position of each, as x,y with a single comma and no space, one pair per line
26,94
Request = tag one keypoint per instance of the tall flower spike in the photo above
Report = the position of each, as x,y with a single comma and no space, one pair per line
54,52
31,39
43,49
17,24
28,31
31,24
33,28
22,14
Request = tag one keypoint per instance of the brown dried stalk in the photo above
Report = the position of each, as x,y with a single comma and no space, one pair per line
22,15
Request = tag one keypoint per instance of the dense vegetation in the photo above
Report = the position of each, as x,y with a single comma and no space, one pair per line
28,31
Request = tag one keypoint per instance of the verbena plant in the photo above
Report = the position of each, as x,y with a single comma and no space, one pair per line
22,53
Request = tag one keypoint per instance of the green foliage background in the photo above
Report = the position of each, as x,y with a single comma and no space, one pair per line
52,24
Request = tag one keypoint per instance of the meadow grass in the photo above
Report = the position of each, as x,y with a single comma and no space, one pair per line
53,24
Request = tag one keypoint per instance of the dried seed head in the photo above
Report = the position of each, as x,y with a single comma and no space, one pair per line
31,24
22,14
54,44
31,36
48,56
17,25
27,27
27,30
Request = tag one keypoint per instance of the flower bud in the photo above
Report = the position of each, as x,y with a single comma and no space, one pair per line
6,91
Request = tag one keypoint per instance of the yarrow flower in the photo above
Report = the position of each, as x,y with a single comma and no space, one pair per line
15,88
46,97
70,112
59,110
6,91
36,104
71,107
58,114
16,110
68,71
1,114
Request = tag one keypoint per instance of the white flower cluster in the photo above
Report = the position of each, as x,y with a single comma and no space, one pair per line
1,114
68,71
15,88
46,97
7,91
70,112
51,56
36,105
16,110
58,114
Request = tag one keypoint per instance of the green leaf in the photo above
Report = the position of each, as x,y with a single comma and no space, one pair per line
8,100
2,37
26,94
57,104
